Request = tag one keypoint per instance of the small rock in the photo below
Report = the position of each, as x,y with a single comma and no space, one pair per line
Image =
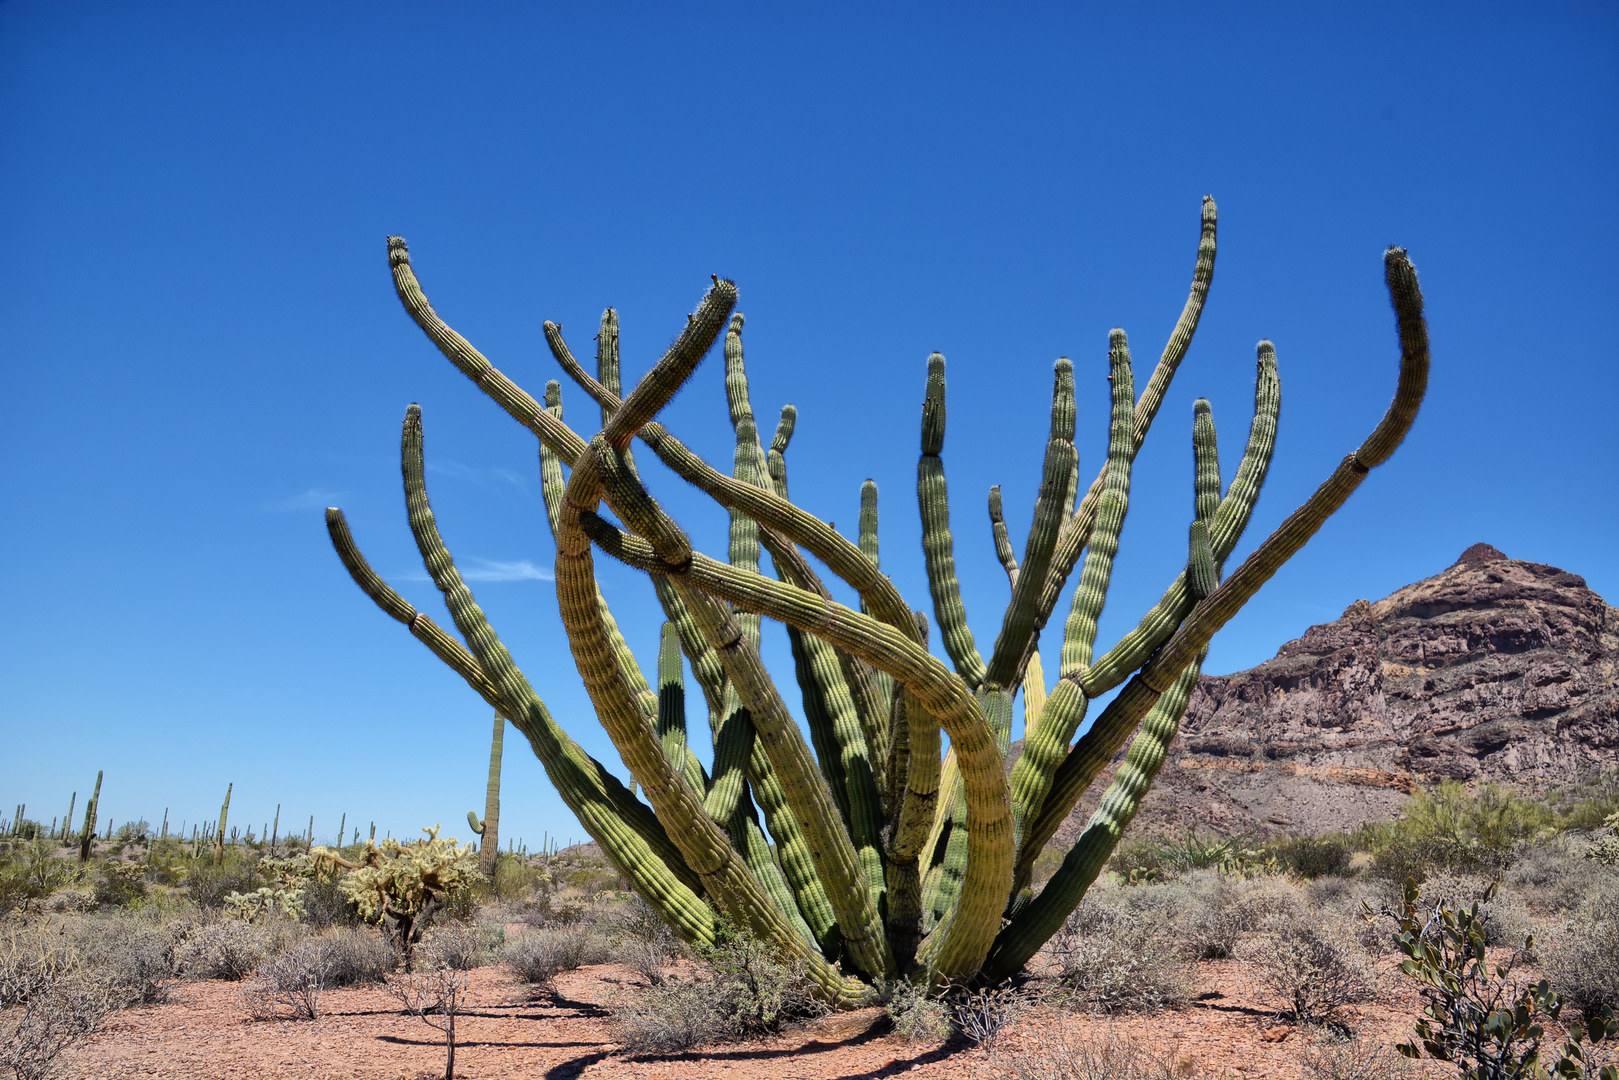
1279,1033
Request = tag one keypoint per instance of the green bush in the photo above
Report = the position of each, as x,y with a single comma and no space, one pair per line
1582,961
1314,857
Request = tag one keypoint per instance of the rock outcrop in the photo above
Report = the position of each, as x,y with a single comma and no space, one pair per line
1495,669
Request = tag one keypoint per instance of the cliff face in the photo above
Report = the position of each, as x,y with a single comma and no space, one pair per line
1495,669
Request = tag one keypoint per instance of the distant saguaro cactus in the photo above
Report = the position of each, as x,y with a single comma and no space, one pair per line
862,844
488,827
88,836
219,833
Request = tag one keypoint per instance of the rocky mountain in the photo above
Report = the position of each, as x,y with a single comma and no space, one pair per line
1494,669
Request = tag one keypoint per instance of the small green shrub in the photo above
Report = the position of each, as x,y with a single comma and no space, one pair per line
917,1012
1314,857
1582,961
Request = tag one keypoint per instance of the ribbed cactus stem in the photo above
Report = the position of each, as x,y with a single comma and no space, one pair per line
489,848
88,835
219,833
1003,539
607,372
776,458
938,548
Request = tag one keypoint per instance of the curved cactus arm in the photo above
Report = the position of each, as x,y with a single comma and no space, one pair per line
473,364
629,833
1076,533
1159,676
1046,743
726,875
474,822
942,693
705,666
1087,857
1225,530
552,486
1017,626
1003,540
769,509
733,747
913,772
938,548
748,838
776,458
797,860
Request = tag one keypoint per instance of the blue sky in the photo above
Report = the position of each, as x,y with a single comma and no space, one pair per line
200,347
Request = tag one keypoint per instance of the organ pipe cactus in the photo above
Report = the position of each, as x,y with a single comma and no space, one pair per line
889,856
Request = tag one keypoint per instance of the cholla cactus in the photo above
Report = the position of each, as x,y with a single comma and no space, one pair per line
402,886
886,856
265,903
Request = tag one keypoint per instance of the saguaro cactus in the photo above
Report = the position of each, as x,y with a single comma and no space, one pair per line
219,833
888,857
88,836
488,827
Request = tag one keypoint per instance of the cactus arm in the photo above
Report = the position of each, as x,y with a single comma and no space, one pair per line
938,548
748,838
1003,540
941,693
1090,596
802,782
628,833
1141,694
1034,692
1076,533
776,459
474,822
870,548
916,735
1201,575
766,507
1205,463
1226,529
1017,626
607,371
1047,742
726,875
1033,921
473,364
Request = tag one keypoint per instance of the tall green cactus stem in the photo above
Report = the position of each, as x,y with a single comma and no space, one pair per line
1017,627
219,833
488,829
1003,539
776,458
1076,533
878,812
88,835
869,546
938,549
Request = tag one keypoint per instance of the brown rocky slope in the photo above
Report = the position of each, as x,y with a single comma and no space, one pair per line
1494,669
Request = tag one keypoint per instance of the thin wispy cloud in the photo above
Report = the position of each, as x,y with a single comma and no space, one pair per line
309,499
493,570
476,569
483,477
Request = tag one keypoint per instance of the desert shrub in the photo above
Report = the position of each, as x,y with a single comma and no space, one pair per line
1316,970
1157,859
456,946
1050,1051
1118,963
744,990
69,901
131,957
208,885
1229,908
1335,1057
227,949
1582,960
641,940
121,884
325,905
31,871
1551,877
65,1009
356,956
1451,828
289,986
1345,900
1314,856
539,956
918,1014
981,1014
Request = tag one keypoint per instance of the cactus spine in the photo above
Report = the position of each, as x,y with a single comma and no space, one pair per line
889,857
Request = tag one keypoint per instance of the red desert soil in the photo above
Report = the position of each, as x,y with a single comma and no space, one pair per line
513,1031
